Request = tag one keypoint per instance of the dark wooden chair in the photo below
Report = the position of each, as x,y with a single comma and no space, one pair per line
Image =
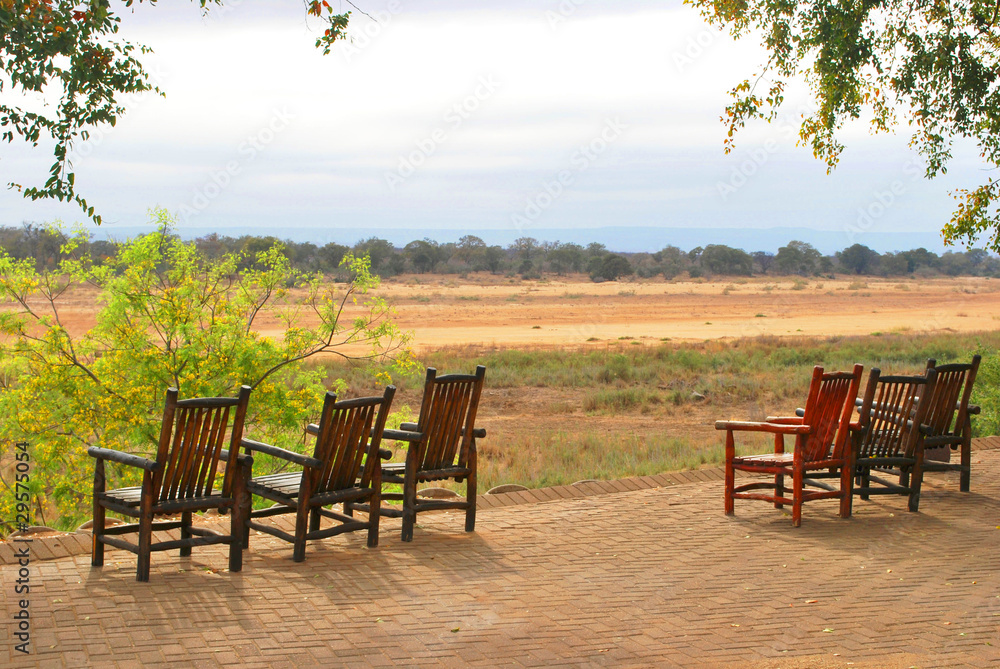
821,448
949,418
182,479
440,445
345,468
889,437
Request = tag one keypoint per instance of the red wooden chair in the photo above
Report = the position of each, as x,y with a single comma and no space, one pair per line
821,448
441,445
889,436
182,479
949,418
345,468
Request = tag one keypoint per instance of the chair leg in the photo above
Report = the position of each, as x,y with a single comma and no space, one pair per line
798,485
237,527
917,478
97,530
145,529
470,498
730,473
779,490
185,532
145,541
966,474
301,524
239,519
409,508
374,514
866,482
846,491
314,518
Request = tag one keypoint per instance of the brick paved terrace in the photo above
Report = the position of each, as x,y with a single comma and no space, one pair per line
641,572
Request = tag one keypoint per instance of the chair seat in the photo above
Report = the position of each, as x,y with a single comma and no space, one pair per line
132,497
765,459
396,470
126,496
286,483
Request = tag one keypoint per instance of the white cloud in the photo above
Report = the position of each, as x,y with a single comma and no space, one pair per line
359,111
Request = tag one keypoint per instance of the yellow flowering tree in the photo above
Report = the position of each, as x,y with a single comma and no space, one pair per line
168,317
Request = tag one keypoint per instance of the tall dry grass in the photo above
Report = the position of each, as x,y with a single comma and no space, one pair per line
767,373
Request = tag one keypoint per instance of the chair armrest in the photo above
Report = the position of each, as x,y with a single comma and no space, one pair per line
241,458
124,458
973,409
478,433
750,426
784,420
281,453
402,435
800,412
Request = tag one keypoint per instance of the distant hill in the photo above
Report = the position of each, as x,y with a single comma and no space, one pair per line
622,239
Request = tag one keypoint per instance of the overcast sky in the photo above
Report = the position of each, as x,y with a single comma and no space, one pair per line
509,115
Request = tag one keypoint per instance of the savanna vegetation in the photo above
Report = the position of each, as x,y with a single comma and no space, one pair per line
168,316
532,259
558,416
214,313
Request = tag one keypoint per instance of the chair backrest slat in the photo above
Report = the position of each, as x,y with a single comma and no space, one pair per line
192,437
893,409
950,404
209,464
350,434
828,410
448,417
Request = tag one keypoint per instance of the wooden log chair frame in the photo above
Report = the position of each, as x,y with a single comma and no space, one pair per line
440,445
949,417
182,479
821,448
345,468
889,435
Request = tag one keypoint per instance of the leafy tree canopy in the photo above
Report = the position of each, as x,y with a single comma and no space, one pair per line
939,59
69,50
169,316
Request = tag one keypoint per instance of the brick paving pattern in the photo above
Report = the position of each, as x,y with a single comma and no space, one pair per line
645,572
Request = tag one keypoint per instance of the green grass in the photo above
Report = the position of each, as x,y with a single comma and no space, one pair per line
741,368
623,380
560,458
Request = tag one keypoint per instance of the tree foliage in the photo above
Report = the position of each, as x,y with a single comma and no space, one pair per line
859,259
939,59
722,259
70,51
169,317
797,258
